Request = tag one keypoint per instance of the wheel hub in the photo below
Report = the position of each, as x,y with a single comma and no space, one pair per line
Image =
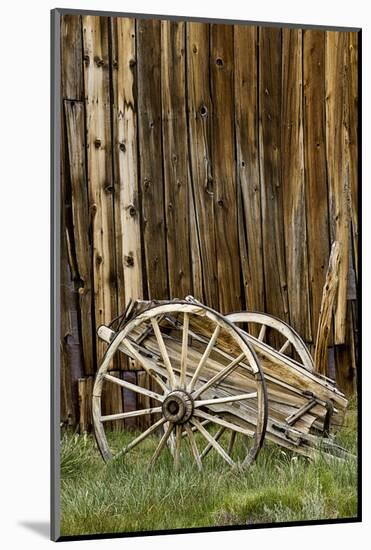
178,407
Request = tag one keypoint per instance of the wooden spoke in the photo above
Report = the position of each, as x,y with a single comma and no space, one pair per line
164,353
140,437
229,399
219,376
231,442
193,429
183,359
147,366
212,441
262,333
178,441
133,387
204,358
161,444
225,423
131,414
208,447
193,445
284,347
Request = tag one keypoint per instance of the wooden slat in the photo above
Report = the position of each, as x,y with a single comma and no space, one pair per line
125,155
247,149
71,58
85,389
223,154
293,182
75,125
315,168
200,123
175,157
353,139
150,155
337,121
270,75
100,181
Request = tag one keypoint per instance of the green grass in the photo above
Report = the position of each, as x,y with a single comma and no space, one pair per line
125,496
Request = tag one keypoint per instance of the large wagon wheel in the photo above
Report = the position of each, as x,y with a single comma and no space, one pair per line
289,336
197,359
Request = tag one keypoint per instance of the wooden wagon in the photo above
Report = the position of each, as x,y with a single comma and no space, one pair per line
245,374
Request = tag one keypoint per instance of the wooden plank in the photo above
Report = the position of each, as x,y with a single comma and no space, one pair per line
150,155
223,154
345,362
75,125
175,157
293,185
199,139
337,121
100,180
125,157
71,58
270,75
328,299
85,389
315,168
353,139
247,149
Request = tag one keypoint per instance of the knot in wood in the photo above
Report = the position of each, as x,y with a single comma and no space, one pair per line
203,111
108,188
132,62
86,60
219,62
97,143
221,203
147,184
115,64
98,61
129,260
122,147
194,48
132,210
99,259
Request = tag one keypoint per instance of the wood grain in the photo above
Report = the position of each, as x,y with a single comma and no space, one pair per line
315,168
224,173
100,180
150,146
293,184
175,157
270,76
337,139
247,145
199,128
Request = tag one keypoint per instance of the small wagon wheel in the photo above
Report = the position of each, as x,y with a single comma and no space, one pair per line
291,337
198,359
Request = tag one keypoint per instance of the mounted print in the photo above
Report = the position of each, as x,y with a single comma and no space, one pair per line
206,261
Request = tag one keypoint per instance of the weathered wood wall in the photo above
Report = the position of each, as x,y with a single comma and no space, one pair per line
213,160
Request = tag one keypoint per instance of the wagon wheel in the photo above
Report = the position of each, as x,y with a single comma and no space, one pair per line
291,337
197,358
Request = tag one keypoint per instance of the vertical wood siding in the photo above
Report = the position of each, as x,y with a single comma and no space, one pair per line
218,160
